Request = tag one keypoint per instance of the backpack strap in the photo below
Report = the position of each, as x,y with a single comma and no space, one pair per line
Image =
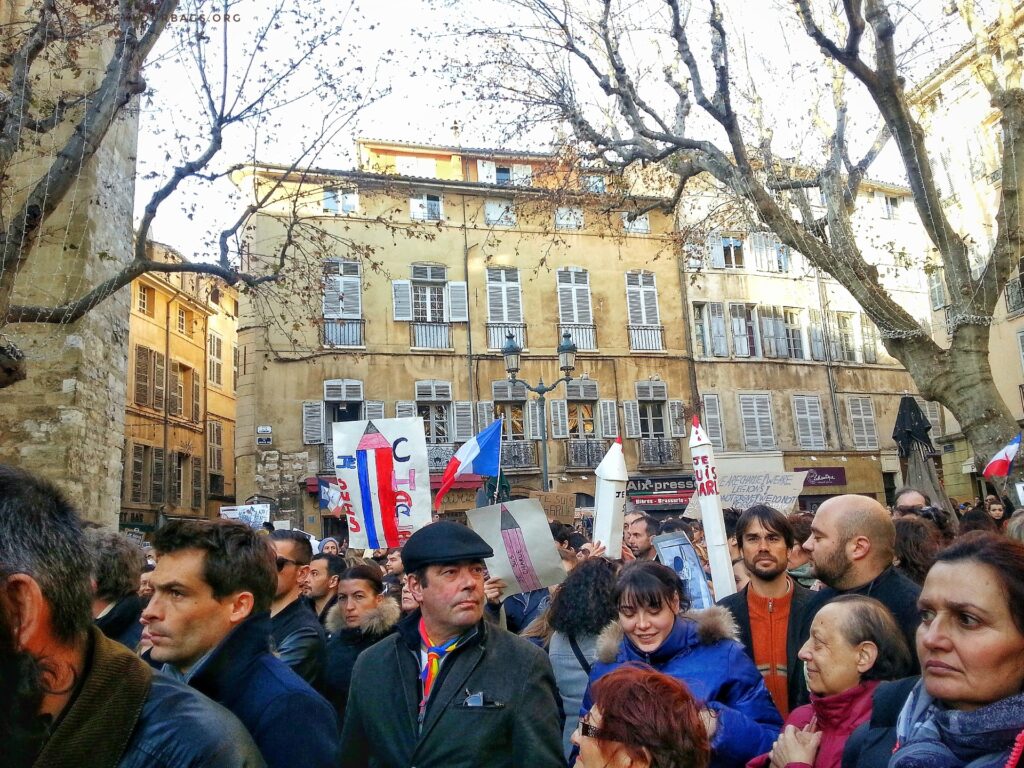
578,653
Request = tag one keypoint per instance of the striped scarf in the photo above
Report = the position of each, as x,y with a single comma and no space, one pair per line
435,655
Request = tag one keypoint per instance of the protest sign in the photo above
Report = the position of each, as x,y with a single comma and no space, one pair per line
383,480
253,515
676,551
779,490
560,507
525,556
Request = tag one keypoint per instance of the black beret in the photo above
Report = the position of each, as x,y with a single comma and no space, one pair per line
443,542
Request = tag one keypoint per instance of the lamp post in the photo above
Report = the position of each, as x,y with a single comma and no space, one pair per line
566,362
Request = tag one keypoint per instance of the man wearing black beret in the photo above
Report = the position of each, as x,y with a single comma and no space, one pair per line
448,689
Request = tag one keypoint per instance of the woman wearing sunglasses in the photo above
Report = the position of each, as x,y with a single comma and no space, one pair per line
641,719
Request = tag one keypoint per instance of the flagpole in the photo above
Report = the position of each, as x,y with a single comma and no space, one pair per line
497,480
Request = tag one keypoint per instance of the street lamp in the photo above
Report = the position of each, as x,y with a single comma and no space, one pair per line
566,362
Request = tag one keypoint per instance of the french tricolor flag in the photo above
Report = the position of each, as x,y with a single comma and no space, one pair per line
481,455
1000,464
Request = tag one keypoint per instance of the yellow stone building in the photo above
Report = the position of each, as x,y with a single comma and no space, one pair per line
179,421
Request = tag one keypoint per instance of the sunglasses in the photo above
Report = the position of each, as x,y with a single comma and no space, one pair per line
592,732
282,562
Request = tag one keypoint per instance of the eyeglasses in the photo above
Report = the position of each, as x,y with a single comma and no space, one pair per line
282,562
592,732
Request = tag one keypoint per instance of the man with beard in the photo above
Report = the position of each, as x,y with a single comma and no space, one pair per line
639,537
769,610
851,544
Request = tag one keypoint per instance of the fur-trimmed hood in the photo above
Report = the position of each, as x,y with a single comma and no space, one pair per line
709,626
377,622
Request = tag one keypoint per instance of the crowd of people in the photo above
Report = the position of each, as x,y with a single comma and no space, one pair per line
859,636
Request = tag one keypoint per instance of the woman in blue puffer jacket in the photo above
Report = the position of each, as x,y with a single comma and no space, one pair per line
698,648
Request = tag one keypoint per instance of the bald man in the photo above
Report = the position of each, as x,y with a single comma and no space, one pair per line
852,546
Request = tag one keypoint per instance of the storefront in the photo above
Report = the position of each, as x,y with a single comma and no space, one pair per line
661,496
838,474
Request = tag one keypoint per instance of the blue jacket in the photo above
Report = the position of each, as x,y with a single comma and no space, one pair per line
290,722
700,651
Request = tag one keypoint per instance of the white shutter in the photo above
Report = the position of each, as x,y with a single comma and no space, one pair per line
584,313
373,409
574,296
716,250
756,418
651,390
719,344
631,413
559,419
862,419
332,301
351,298
522,175
484,414
405,409
609,418
313,422
740,342
401,292
533,420
676,418
810,429
712,421
458,302
649,298
486,171
463,410
566,301
932,412
497,302
634,299
343,390
581,389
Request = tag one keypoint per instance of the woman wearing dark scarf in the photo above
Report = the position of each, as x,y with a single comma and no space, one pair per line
967,709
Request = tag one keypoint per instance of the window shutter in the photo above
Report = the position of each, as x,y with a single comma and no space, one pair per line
584,314
609,421
631,413
716,250
196,397
581,389
332,302
649,294
862,419
484,414
401,292
677,418
458,302
215,445
463,410
719,344
334,391
138,473
197,482
810,429
351,300
740,342
174,496
559,419
142,375
533,420
175,394
373,409
405,409
522,175
634,299
712,421
566,298
817,334
313,422
497,303
156,478
487,172
766,318
933,412
756,418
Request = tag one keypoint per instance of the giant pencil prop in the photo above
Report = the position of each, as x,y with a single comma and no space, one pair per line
518,555
705,474
610,500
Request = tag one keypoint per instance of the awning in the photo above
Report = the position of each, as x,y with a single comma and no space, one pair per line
465,481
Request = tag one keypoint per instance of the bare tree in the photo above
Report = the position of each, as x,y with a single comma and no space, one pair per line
667,82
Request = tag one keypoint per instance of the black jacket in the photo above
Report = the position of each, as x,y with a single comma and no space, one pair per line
872,743
299,640
121,622
514,722
737,605
344,645
290,722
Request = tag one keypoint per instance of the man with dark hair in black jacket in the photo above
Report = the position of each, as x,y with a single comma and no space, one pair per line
299,638
116,571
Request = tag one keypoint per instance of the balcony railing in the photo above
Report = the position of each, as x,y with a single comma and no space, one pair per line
583,335
584,453
646,338
343,333
430,335
518,454
659,452
496,333
438,456
327,458
1014,295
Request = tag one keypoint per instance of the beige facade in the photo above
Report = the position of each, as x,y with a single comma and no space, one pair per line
179,423
408,274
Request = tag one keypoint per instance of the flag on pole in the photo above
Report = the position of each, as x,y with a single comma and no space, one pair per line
1000,464
481,455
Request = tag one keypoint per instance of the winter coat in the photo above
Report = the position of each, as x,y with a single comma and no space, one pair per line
299,640
121,622
344,645
513,722
701,650
872,743
291,723
571,678
837,717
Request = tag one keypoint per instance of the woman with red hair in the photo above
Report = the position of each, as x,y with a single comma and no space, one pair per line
641,719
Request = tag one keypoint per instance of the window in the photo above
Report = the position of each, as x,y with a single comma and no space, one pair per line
709,325
642,298
726,252
502,175
427,303
178,462
756,418
215,445
574,308
426,207
423,167
701,340
499,213
862,421
774,340
937,288
137,485
215,364
769,253
810,427
516,174
145,300
652,414
844,347
185,322
652,419
342,301
504,307
197,482
595,184
712,420
817,334
340,200
514,425
636,225
176,389
744,331
890,206
508,402
794,334
150,370
234,367
435,421
568,218
868,339
932,412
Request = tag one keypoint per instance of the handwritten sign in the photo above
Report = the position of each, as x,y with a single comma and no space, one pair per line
779,490
560,507
253,515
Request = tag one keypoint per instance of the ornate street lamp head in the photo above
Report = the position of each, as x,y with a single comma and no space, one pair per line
566,355
511,352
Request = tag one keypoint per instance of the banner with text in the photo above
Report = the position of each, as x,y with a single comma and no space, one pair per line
779,490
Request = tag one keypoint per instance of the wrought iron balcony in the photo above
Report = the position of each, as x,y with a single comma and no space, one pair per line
646,338
518,454
343,333
438,456
584,335
430,335
660,452
584,453
327,458
1014,295
496,333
